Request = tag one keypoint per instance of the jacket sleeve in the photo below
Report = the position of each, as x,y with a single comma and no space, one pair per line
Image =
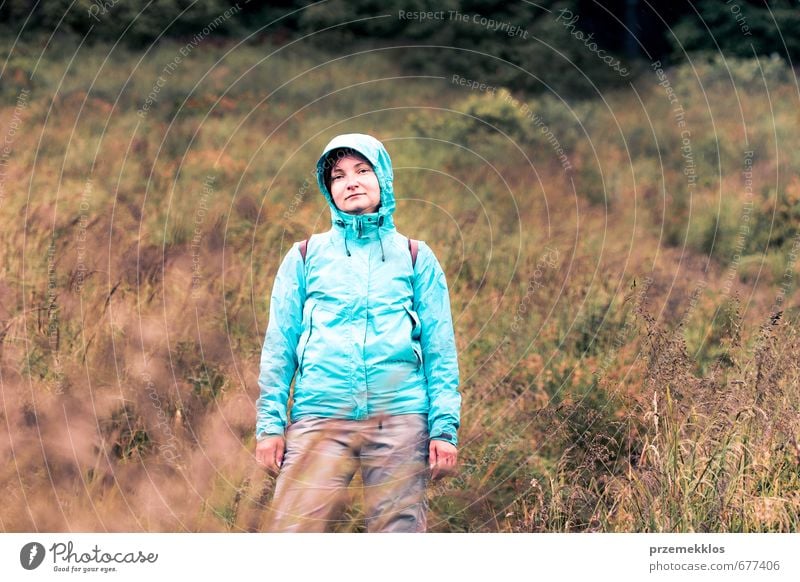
278,355
432,304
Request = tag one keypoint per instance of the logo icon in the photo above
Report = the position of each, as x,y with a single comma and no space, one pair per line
31,555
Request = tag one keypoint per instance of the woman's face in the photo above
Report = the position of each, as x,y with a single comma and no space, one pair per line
354,186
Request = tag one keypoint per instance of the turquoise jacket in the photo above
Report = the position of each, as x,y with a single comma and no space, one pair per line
361,331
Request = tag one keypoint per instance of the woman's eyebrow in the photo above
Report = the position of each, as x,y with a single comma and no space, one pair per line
358,165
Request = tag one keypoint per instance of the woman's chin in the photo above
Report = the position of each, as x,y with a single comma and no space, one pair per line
360,209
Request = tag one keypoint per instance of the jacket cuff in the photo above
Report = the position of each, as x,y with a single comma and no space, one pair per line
270,432
449,437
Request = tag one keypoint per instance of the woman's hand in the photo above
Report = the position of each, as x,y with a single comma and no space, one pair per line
442,457
269,453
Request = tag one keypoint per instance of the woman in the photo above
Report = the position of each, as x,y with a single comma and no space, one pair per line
360,318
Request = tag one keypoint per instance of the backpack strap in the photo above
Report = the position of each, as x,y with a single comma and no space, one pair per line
413,248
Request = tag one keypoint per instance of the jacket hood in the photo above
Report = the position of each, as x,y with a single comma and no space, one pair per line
376,154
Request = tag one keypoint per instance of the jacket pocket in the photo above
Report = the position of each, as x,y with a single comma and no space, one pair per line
304,339
416,333
417,354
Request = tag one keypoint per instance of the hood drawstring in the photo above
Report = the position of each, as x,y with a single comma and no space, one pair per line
380,224
341,223
360,230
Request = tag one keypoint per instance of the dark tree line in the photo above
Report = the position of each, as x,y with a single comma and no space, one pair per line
634,31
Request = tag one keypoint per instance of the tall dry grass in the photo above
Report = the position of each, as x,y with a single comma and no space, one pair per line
612,377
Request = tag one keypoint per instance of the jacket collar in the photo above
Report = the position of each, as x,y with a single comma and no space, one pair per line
362,226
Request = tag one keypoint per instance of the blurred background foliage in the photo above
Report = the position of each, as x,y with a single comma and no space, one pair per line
633,30
628,350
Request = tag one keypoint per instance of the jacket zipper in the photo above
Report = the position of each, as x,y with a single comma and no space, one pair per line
415,324
308,338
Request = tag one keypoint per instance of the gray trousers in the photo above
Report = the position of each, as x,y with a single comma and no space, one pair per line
322,456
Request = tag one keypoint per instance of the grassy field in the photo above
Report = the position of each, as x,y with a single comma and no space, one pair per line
622,273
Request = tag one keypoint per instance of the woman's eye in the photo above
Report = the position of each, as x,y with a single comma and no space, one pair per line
336,177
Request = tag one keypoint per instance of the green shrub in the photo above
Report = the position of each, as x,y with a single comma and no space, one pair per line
777,218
